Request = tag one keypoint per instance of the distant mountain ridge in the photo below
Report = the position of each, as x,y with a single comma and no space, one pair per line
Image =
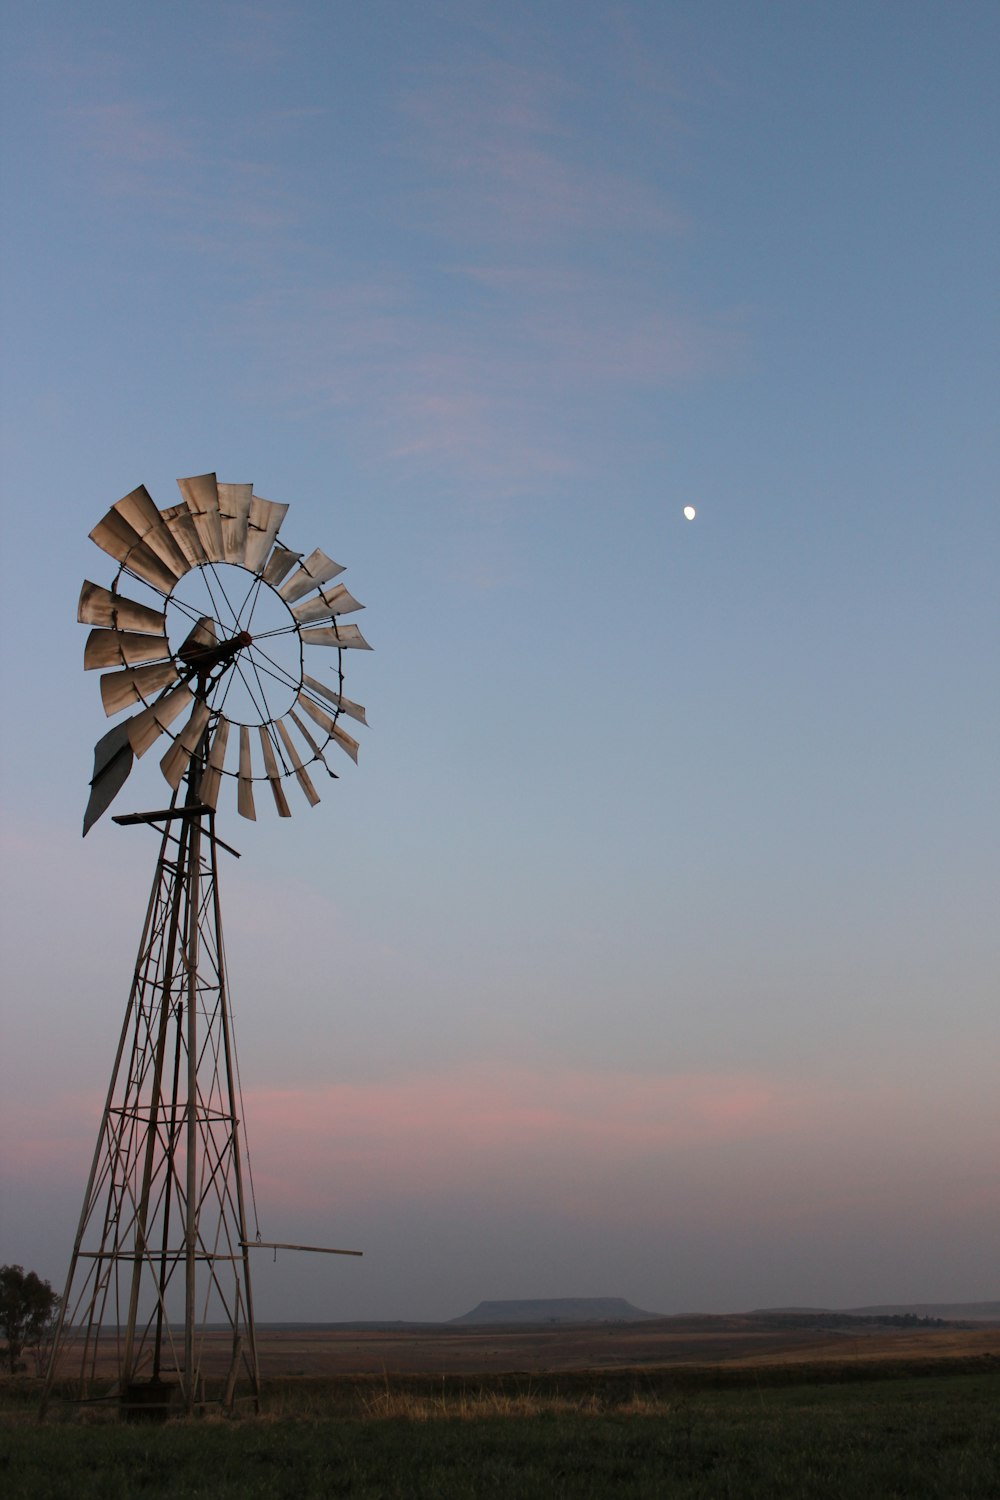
619,1310
557,1310
967,1312
950,1312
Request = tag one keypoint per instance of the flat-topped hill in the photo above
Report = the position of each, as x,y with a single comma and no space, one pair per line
557,1310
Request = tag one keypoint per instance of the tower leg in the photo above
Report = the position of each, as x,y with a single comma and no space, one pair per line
158,1301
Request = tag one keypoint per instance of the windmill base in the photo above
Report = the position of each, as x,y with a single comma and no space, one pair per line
150,1400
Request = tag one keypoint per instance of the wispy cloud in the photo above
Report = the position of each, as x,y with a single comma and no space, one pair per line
501,165
207,196
731,1146
483,296
531,295
445,1127
450,1131
725,1154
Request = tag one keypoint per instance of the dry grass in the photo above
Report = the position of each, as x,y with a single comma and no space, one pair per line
480,1402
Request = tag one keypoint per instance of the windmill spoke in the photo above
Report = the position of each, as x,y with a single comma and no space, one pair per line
274,668
266,635
222,591
253,594
216,611
225,683
267,716
259,706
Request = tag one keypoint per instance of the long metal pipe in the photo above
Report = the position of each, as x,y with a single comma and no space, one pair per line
154,1106
191,1206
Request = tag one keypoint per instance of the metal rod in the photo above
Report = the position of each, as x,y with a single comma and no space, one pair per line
127,820
205,1258
191,1206
315,1249
228,1049
171,1140
154,1108
188,810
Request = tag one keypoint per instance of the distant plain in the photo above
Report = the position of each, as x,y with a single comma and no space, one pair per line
735,1341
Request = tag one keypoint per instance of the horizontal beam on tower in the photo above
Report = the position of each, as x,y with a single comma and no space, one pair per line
313,1249
166,814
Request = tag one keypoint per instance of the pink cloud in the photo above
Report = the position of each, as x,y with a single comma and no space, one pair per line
515,1128
51,1140
126,131
729,1152
438,1131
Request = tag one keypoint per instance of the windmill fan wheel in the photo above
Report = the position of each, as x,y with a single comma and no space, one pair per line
219,639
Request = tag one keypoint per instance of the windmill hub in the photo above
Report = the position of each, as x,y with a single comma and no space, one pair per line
207,658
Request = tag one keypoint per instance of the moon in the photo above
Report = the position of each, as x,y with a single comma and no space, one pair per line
689,512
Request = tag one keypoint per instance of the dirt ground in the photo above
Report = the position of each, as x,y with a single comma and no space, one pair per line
332,1351
498,1349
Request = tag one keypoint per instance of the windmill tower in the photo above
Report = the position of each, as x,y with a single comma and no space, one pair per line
212,660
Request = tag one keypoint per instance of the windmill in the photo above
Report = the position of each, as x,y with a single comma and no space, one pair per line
216,659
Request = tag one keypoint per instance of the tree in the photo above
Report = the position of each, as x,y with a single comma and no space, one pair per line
27,1310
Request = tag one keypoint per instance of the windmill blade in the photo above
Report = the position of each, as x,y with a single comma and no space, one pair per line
212,777
234,507
347,637
345,705
113,759
346,742
301,774
160,539
121,541
135,685
263,526
317,569
320,717
139,511
176,761
326,604
100,606
201,495
273,774
117,648
281,561
244,790
317,752
147,726
115,536
180,523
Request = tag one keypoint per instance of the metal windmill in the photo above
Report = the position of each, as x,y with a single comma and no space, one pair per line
219,638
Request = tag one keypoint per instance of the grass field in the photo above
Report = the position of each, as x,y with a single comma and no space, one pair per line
774,1432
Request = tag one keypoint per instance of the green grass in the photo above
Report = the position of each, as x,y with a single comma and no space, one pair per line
909,1438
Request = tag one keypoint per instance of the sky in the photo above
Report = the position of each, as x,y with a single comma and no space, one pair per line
651,948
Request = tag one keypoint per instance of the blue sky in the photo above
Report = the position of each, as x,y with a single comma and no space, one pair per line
651,948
